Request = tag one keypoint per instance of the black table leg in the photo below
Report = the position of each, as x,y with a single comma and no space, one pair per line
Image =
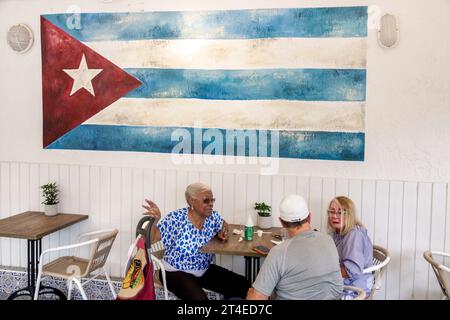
34,252
252,265
248,274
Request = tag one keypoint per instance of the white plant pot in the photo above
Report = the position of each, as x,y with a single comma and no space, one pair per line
265,222
51,209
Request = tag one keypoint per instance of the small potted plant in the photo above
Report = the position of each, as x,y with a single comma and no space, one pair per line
50,193
264,215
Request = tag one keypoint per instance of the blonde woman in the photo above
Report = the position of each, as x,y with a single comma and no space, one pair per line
353,243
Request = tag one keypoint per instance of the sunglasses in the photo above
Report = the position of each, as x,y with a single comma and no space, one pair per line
337,213
209,200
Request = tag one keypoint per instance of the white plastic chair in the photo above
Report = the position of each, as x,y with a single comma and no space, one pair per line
157,250
73,268
379,262
440,270
156,253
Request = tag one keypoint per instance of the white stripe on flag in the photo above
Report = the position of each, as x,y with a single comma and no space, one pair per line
237,114
324,53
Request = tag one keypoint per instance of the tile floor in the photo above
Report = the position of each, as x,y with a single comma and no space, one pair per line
11,281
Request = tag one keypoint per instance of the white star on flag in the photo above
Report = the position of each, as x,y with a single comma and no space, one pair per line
82,77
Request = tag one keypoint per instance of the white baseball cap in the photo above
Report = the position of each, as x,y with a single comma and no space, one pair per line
293,208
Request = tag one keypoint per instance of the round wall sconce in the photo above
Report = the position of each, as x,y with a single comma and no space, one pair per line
20,38
388,33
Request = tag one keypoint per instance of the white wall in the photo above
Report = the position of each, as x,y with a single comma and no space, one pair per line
407,132
407,139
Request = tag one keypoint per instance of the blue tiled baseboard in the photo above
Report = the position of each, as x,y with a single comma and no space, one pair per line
11,281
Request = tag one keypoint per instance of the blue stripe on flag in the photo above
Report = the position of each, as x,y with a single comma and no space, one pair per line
227,24
292,144
259,84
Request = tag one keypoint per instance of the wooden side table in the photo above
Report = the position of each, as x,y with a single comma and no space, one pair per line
33,226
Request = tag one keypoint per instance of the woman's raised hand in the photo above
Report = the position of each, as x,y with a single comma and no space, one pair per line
152,210
223,233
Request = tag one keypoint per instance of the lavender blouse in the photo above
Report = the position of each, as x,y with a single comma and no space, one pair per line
355,254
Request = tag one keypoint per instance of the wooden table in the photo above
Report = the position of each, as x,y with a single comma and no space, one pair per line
243,248
33,226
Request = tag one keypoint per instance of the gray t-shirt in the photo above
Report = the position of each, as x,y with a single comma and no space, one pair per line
305,267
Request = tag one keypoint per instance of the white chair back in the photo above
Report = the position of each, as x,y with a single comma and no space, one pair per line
155,253
440,270
379,262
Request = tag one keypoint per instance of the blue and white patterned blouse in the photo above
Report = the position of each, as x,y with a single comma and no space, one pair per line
183,241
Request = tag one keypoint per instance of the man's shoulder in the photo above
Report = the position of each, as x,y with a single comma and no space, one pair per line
277,250
316,235
314,238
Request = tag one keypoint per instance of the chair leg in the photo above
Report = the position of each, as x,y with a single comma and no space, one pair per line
164,283
80,287
111,287
38,285
69,289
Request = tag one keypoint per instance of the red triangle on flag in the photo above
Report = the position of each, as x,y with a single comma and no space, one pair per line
62,111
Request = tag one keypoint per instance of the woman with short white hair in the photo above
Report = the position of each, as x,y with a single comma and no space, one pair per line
184,232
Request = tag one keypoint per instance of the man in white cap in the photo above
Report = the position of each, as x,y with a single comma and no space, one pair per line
304,267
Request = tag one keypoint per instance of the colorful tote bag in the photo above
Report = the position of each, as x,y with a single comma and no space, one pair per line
138,283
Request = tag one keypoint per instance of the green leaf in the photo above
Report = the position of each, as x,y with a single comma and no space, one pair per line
50,193
263,209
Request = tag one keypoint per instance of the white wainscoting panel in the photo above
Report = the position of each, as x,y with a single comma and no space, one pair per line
406,217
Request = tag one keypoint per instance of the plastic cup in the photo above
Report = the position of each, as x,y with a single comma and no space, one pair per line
284,234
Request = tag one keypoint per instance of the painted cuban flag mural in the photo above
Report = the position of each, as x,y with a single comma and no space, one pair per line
127,81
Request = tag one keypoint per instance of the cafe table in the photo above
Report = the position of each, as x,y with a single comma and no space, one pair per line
33,226
243,248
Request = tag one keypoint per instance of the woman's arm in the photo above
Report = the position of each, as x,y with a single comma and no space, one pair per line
153,211
223,233
254,294
344,272
353,258
155,235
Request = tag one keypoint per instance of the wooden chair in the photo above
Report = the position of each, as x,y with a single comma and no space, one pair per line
73,268
440,270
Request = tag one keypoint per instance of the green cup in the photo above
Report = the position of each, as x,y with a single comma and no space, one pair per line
248,233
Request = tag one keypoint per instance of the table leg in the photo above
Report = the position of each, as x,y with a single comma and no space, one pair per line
33,264
252,265
34,252
248,274
255,267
